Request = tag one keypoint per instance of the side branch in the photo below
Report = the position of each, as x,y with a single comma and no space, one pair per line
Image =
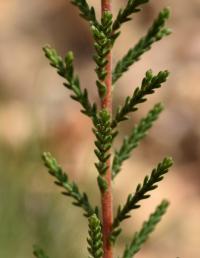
149,184
156,32
87,12
66,70
131,142
148,227
70,188
123,15
149,84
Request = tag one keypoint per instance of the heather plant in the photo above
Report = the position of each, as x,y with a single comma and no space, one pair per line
104,228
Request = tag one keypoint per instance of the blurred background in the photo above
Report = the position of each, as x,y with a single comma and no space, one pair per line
36,115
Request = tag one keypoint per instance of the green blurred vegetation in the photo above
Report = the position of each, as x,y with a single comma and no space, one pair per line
32,209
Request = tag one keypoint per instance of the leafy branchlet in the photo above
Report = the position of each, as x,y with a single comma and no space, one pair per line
95,242
66,70
104,138
70,189
132,202
87,12
105,33
156,32
102,44
149,84
123,15
148,227
39,253
139,131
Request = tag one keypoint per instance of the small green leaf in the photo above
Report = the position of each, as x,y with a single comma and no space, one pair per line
69,57
102,183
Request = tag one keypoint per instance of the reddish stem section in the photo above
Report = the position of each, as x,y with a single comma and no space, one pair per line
107,100
105,5
106,197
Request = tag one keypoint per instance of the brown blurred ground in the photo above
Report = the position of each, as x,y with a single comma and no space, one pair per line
36,114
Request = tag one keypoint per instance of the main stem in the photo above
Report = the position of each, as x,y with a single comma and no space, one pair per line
106,197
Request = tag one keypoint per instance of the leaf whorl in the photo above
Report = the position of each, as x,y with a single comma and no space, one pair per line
102,45
104,139
95,242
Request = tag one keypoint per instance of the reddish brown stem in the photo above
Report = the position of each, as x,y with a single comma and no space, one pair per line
106,197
